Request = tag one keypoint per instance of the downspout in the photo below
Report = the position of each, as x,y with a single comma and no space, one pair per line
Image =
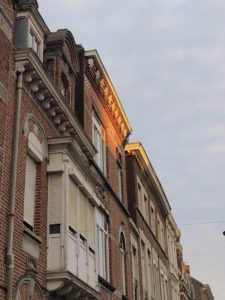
12,199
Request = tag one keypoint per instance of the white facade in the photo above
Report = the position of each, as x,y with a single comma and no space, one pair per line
77,218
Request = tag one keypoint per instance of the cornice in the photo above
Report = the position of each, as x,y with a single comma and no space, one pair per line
103,86
137,150
27,6
50,100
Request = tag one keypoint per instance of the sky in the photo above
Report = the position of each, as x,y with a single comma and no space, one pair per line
166,59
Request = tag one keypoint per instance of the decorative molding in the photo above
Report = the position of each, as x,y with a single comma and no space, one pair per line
31,124
64,284
101,82
50,101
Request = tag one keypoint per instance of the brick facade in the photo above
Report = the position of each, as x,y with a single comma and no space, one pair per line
72,126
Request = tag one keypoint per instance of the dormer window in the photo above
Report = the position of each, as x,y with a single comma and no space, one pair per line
29,34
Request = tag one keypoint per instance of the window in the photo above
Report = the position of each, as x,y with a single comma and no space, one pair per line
143,201
120,181
134,260
152,217
139,195
91,225
102,244
73,190
163,284
149,271
160,230
30,192
119,174
82,217
34,156
33,42
98,137
65,88
146,208
123,263
143,266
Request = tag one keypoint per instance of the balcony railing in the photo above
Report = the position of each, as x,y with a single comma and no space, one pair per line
71,267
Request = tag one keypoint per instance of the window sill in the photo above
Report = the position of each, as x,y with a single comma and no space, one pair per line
31,242
106,284
30,233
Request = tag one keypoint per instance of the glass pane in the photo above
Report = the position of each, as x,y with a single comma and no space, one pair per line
35,46
30,40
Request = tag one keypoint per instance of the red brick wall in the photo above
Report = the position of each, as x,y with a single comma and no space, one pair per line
134,170
40,227
119,219
27,107
57,68
118,214
6,113
113,139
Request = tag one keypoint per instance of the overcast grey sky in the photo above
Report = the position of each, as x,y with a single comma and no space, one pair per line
166,59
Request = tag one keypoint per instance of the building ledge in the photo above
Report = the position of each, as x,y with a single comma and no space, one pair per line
49,99
66,285
106,284
31,242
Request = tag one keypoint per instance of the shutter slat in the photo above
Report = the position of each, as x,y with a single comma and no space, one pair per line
55,199
73,205
30,190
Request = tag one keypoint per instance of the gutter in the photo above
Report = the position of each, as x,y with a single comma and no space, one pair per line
12,199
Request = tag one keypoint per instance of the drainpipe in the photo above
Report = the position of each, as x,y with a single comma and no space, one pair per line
12,199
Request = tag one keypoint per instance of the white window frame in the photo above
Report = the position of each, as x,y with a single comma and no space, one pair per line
123,262
34,29
98,138
135,271
102,245
120,181
152,216
30,197
33,42
36,154
143,200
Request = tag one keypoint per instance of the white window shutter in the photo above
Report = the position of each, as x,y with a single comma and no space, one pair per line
30,191
55,199
91,225
82,214
73,205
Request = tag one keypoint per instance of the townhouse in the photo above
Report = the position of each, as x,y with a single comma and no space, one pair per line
82,212
157,230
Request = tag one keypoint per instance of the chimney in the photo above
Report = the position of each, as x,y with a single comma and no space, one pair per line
187,268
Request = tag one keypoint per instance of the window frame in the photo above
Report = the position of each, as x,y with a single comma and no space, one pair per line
102,244
99,142
36,153
27,197
122,244
32,41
